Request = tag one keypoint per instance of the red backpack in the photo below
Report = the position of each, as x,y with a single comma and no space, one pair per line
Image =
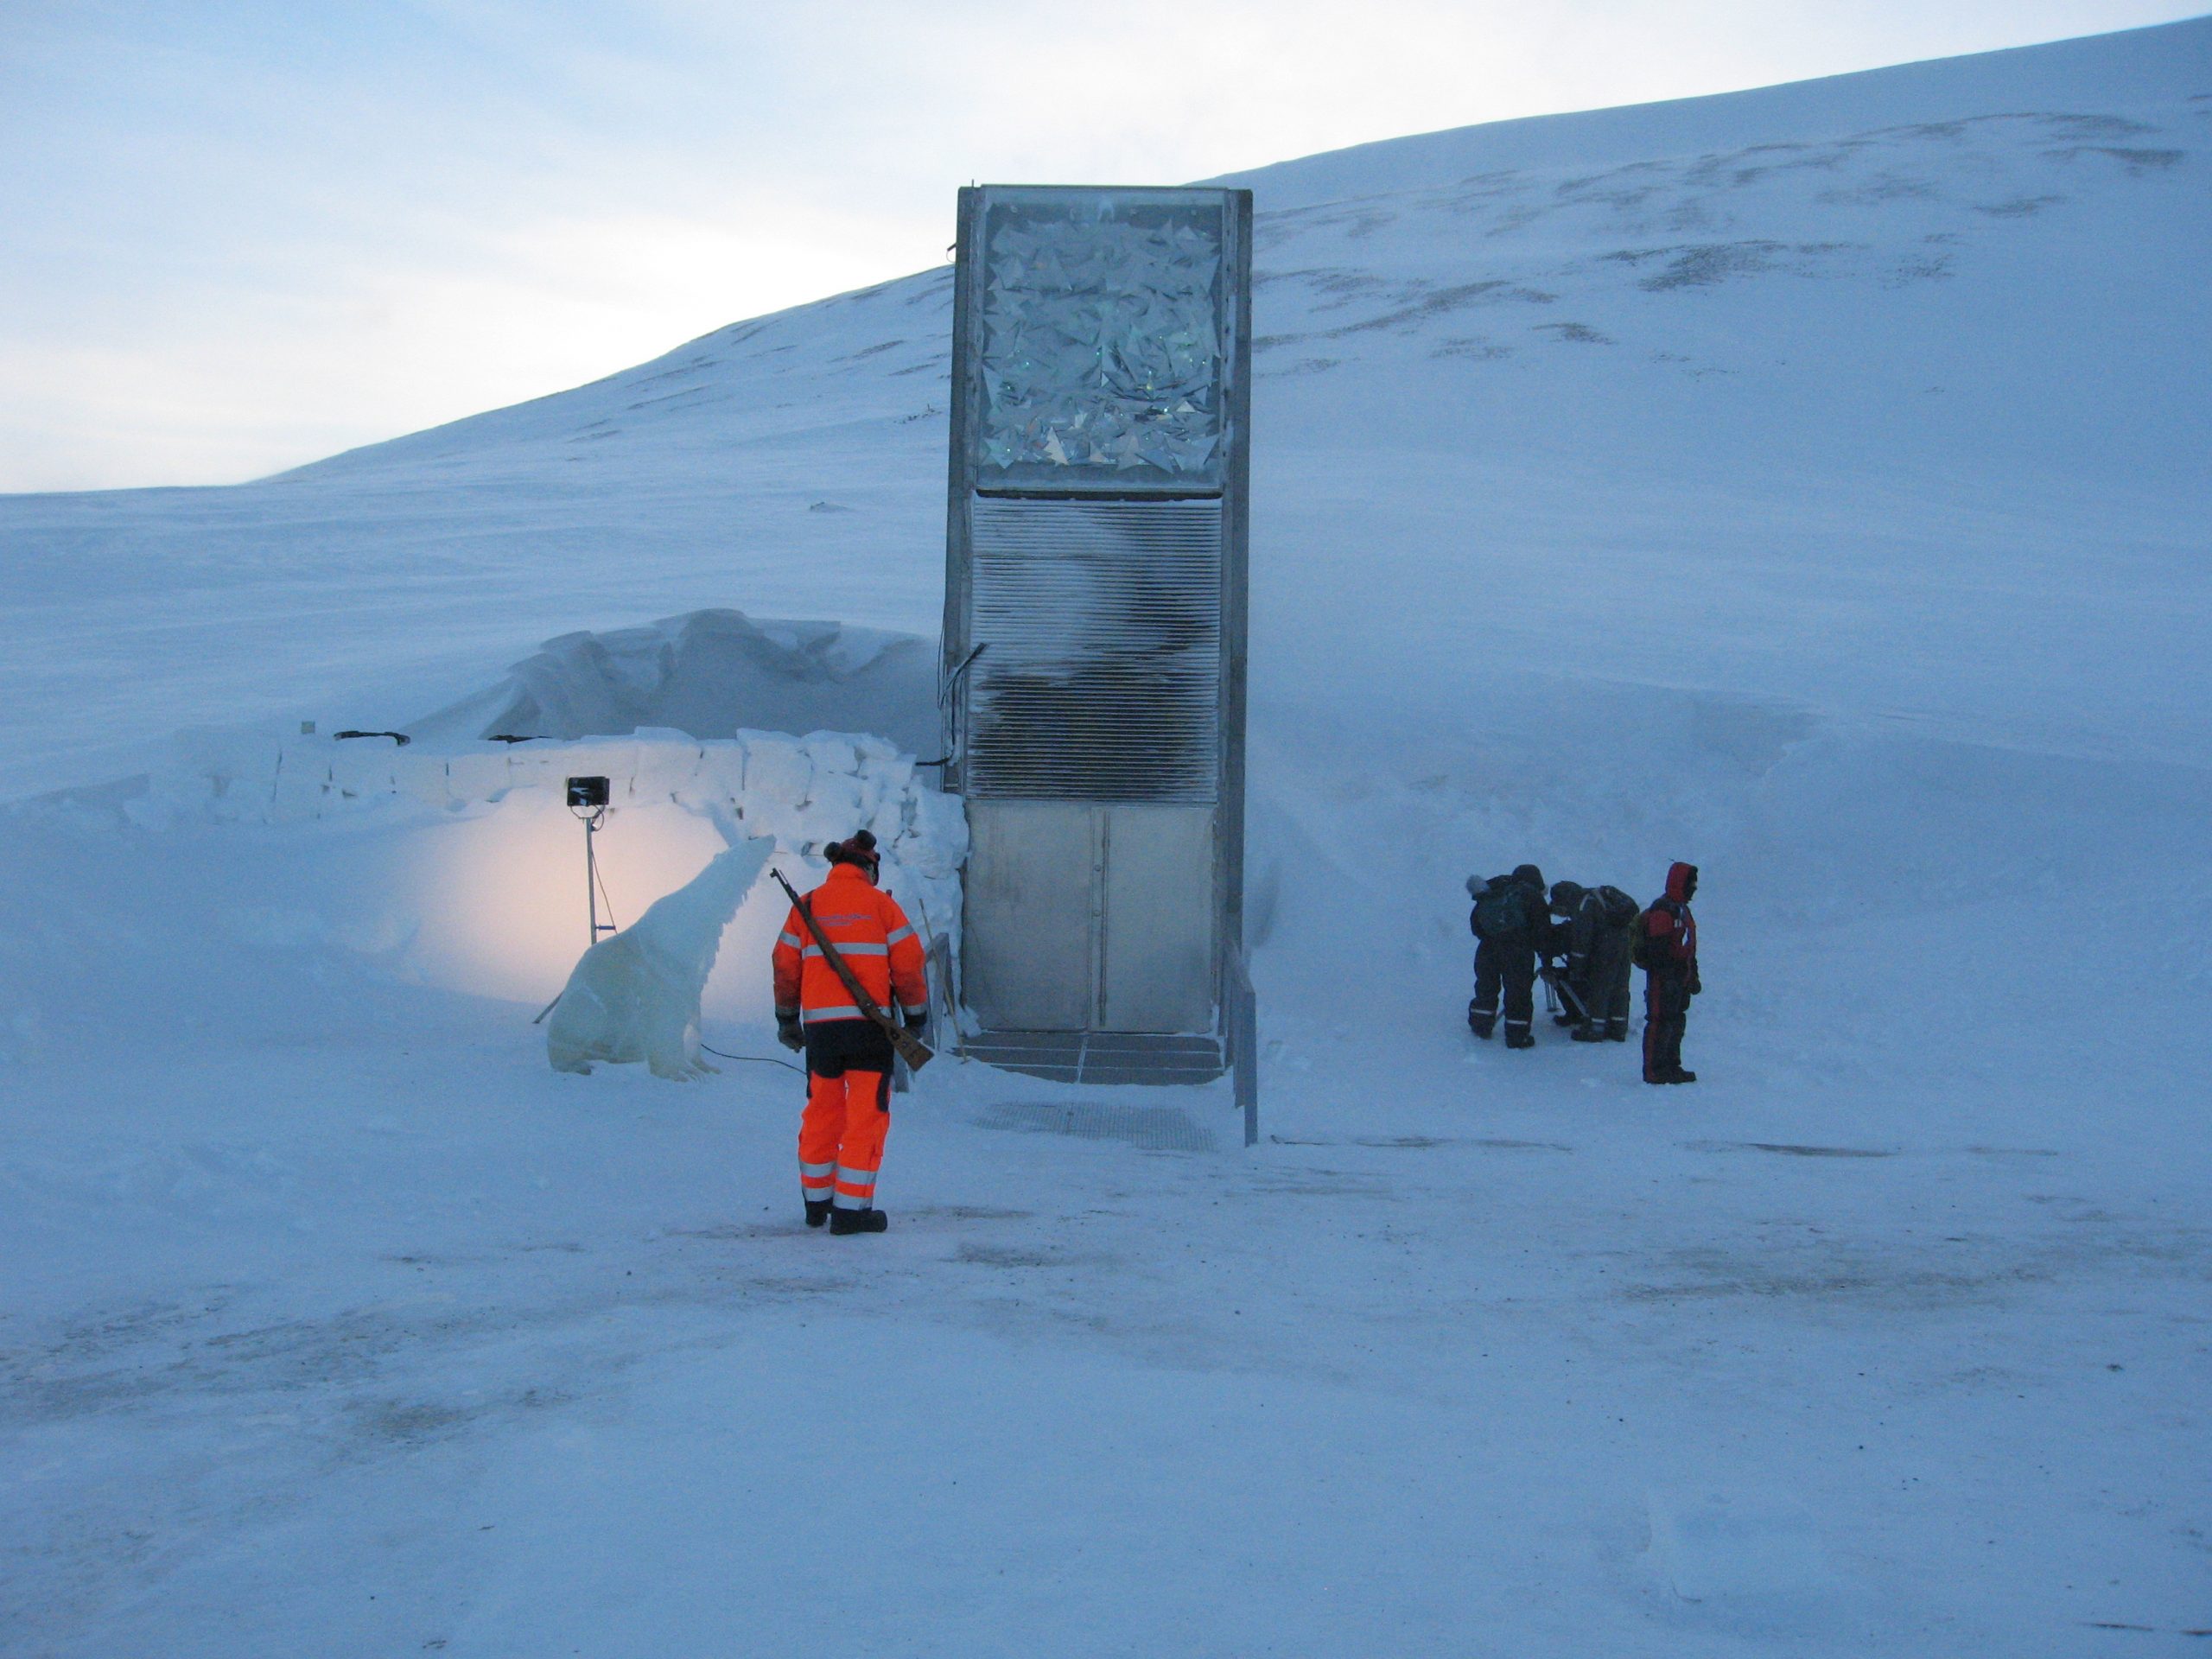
1655,948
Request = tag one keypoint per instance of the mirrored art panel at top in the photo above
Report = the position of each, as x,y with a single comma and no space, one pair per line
1102,346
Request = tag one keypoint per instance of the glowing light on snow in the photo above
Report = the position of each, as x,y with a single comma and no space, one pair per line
501,896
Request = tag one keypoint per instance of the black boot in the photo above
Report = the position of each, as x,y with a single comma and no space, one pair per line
1678,1075
1481,1025
818,1211
1617,1034
842,1222
1565,1020
1520,1040
1587,1033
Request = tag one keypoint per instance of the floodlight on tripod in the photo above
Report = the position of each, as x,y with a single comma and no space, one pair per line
587,799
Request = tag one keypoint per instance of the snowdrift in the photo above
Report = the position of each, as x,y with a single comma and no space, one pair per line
711,674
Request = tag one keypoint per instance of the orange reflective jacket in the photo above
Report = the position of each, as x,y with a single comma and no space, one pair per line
871,933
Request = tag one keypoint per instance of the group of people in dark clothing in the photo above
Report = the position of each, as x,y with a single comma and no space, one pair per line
1581,942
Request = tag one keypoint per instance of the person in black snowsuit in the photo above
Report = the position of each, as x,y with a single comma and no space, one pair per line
1596,929
1571,937
1511,925
1666,949
1571,976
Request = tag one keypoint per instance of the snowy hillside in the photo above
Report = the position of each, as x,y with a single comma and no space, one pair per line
1923,352
1810,483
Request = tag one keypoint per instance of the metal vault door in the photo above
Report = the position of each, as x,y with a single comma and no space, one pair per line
1091,917
1094,604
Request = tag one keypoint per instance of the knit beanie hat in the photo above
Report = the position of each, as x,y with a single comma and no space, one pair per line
858,849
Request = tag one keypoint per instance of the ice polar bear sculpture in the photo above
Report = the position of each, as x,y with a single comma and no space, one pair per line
635,996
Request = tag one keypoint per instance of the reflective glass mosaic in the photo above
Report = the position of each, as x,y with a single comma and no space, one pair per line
1102,358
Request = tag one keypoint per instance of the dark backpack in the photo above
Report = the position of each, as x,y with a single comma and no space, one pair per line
1620,910
1501,910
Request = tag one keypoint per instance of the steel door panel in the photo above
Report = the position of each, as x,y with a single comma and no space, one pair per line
1027,942
1157,941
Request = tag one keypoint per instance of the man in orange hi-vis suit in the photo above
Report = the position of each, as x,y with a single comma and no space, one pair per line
848,1056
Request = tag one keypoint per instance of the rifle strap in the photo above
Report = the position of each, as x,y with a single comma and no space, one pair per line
902,1039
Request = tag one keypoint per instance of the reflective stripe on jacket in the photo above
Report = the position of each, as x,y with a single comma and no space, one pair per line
870,933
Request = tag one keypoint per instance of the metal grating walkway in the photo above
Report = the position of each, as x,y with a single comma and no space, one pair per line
1101,1056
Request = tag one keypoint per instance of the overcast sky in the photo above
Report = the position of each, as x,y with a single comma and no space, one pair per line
236,237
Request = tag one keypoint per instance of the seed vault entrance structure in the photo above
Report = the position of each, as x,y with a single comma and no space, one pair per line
1095,624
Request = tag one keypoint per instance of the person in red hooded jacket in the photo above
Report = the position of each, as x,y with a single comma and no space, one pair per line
1666,949
849,1057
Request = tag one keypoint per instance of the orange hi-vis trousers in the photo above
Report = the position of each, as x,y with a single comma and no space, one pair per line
841,1137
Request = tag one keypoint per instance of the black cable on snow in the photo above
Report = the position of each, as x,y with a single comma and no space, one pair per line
756,1059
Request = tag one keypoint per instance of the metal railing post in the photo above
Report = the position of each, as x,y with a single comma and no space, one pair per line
1244,1044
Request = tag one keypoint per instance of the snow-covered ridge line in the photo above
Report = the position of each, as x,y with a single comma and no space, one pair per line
2059,77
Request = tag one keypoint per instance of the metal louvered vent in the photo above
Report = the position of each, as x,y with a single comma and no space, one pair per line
1102,681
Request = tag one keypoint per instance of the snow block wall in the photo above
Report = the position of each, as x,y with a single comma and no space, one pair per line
458,864
804,792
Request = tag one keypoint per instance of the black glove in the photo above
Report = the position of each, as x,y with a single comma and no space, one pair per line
1696,984
787,1030
916,1019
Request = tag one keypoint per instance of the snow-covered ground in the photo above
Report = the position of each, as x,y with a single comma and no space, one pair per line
1809,483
